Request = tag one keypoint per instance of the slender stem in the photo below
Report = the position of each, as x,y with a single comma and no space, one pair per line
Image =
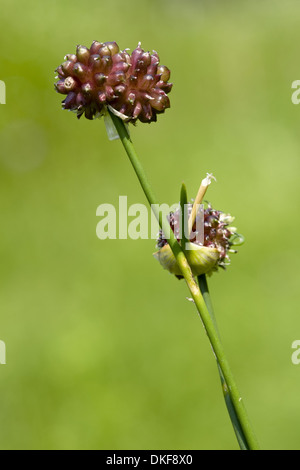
192,285
206,296
230,405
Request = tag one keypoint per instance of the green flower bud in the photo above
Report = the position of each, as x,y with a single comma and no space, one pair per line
201,259
83,54
206,257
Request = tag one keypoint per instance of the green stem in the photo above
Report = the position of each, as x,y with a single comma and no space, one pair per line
205,293
230,405
191,283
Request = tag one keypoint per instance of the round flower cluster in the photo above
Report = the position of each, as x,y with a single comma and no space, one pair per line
206,257
133,86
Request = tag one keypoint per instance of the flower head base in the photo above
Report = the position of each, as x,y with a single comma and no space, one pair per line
219,237
134,87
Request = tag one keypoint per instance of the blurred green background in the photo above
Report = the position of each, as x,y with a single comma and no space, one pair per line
103,349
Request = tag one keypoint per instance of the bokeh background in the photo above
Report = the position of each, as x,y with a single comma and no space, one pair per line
103,349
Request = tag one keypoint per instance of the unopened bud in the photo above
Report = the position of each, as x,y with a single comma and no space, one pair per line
82,54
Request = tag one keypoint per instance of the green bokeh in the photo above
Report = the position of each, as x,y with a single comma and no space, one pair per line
103,349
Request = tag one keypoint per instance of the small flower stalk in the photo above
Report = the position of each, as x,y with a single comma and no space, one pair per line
134,87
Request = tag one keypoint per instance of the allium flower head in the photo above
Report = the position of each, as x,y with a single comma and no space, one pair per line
132,86
92,78
206,257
